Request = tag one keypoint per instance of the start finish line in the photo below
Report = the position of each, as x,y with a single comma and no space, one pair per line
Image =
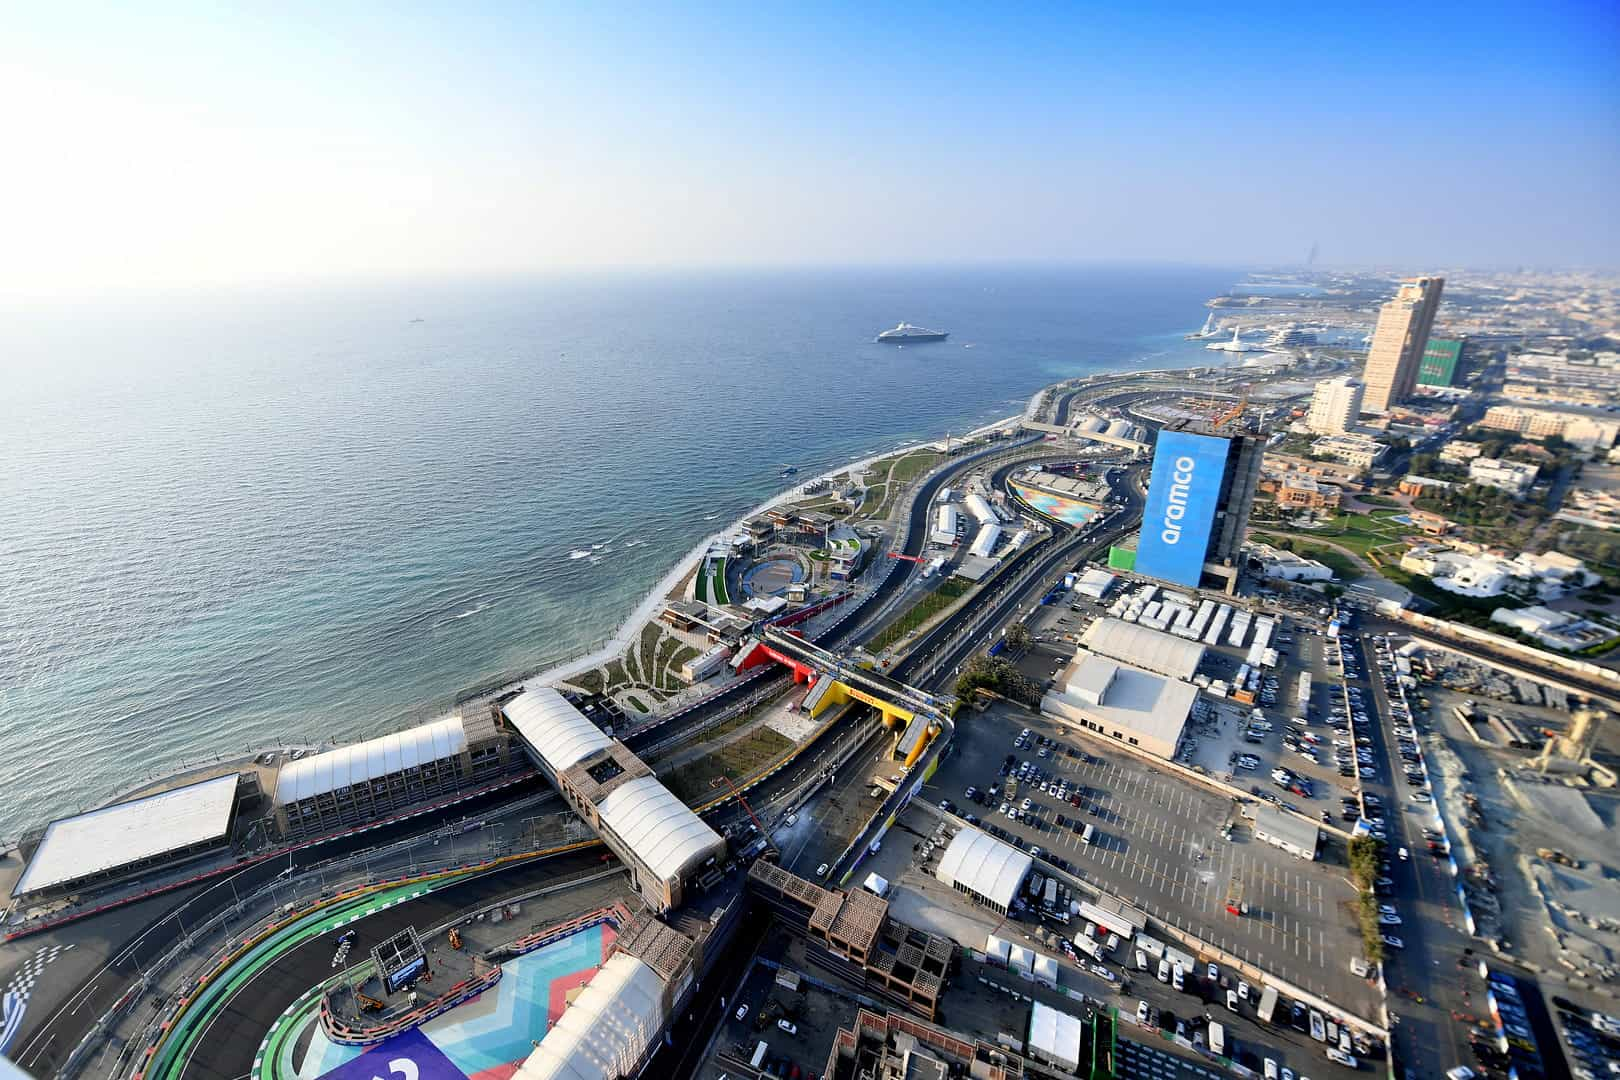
406,1056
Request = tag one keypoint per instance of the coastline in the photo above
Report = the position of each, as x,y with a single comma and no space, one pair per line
648,607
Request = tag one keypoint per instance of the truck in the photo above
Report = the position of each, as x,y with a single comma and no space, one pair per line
1051,894
759,1054
1217,1039
1268,1005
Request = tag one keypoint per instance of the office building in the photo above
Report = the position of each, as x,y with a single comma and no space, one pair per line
1335,405
1439,364
1586,432
1401,336
1513,477
1202,491
1356,451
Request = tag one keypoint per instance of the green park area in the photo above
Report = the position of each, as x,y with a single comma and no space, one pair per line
650,667
949,591
693,781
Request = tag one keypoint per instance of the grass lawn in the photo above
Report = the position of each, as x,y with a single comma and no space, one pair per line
1360,533
948,593
693,781
1343,568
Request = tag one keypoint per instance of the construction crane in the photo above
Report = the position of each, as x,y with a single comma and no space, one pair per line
1235,411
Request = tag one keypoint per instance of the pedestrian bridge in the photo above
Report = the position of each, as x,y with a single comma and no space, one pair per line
837,680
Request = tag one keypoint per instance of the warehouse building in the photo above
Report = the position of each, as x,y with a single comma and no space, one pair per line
667,847
1120,701
984,868
1143,647
361,783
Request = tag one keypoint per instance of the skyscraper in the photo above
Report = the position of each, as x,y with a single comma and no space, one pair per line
1398,342
1335,404
1197,512
1439,366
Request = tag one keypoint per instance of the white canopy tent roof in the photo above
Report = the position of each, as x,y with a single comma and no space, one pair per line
348,765
1144,647
607,1029
662,831
983,865
553,728
1055,1036
91,843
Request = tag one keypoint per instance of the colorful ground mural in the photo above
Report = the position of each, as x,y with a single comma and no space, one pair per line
489,1038
1072,511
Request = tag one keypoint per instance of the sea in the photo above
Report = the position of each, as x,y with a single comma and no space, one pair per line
231,520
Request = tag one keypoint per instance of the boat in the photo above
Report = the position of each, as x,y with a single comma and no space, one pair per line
791,470
1234,345
906,333
1208,330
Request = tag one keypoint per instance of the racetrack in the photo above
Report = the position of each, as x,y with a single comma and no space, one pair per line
221,1032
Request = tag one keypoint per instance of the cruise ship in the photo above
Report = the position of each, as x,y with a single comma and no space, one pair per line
906,333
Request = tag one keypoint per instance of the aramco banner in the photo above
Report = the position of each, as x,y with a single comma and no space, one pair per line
1186,483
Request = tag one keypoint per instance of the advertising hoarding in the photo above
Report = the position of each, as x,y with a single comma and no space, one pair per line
1187,471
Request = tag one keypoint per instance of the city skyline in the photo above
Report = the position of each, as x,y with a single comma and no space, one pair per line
172,150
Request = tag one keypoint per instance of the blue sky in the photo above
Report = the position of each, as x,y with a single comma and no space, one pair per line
177,145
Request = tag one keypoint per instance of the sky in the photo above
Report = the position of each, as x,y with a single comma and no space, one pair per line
175,146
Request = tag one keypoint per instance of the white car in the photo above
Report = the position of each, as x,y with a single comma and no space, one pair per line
1389,920
1243,990
1347,1060
1142,1013
788,1026
1393,942
821,871
742,1012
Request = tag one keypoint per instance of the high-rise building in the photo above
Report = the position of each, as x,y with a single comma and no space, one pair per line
1398,342
1335,405
1199,499
1439,364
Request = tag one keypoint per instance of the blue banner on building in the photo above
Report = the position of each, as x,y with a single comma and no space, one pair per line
406,1056
1187,473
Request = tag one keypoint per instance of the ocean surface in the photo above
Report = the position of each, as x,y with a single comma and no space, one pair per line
241,520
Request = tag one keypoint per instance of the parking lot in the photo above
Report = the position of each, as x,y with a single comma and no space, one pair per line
1157,842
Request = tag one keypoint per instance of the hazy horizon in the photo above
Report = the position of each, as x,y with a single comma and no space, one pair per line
178,148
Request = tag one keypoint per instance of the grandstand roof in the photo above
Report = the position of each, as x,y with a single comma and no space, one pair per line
983,865
658,827
607,1029
1143,647
91,843
554,729
347,765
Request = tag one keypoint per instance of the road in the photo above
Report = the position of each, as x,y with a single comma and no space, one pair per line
1426,982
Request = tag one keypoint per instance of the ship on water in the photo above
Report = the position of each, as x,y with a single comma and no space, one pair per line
1209,329
906,333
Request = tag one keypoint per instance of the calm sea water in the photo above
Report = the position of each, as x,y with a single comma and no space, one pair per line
247,519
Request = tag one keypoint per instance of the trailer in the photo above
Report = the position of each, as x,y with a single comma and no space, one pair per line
1268,1005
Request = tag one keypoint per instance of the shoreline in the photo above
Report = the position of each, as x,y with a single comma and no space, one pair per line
649,604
